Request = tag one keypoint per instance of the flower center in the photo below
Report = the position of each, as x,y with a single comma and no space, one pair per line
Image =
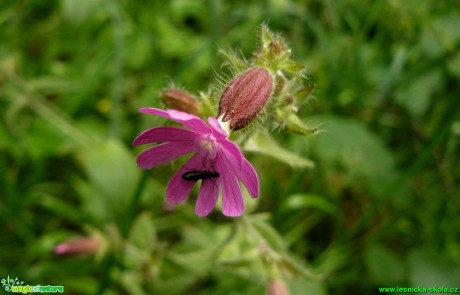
208,147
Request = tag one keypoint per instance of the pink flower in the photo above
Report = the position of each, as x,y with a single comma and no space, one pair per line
213,152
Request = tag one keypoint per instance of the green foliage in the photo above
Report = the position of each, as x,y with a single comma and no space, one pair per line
363,158
262,143
112,177
378,205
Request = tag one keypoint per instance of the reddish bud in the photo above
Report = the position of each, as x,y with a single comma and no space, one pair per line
180,100
80,246
277,287
245,97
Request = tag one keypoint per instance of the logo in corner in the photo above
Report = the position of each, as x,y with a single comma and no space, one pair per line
16,286
8,283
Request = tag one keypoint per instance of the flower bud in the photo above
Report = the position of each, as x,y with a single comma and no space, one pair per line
245,97
277,287
180,100
80,246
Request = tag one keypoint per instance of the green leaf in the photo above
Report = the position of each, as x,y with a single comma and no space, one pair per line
416,96
233,60
263,143
295,266
301,95
454,65
291,66
361,154
66,210
132,283
143,233
42,140
304,201
92,203
269,234
296,126
266,35
113,174
79,11
302,286
333,259
384,266
430,268
142,240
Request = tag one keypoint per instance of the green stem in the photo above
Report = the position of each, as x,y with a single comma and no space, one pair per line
47,111
125,226
105,269
129,216
221,246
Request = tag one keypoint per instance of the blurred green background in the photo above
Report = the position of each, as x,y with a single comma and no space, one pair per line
380,208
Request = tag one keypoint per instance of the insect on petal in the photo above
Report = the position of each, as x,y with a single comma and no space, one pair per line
178,189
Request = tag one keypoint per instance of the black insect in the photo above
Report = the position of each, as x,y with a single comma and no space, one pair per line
196,175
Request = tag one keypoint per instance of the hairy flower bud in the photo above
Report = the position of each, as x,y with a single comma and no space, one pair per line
245,97
180,100
80,246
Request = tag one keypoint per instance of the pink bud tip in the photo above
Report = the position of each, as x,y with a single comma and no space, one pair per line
80,246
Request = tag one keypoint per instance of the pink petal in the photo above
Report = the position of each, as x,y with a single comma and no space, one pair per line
163,153
232,152
216,126
171,134
188,120
178,189
232,199
207,197
248,176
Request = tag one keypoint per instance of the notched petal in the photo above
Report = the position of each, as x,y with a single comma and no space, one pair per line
207,197
248,176
232,198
